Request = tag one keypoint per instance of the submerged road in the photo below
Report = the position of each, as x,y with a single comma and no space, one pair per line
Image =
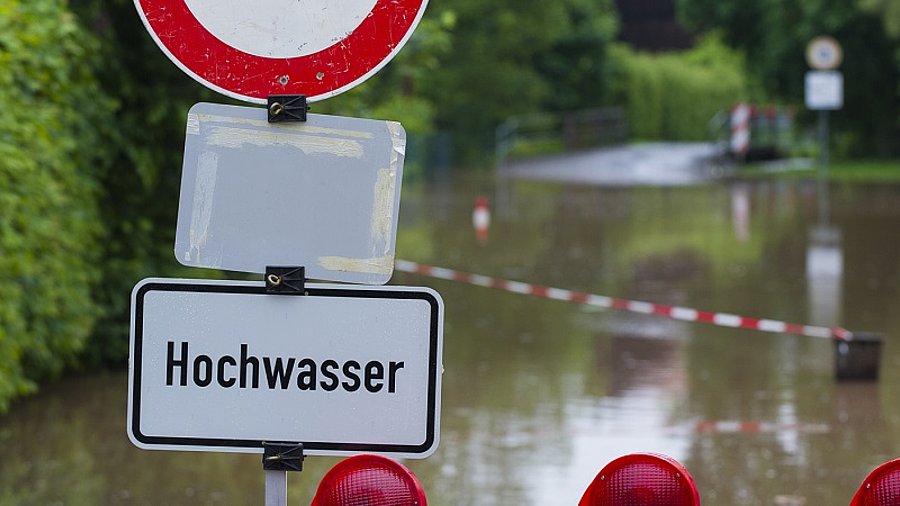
660,164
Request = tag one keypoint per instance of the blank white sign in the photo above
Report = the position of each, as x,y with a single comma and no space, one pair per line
323,194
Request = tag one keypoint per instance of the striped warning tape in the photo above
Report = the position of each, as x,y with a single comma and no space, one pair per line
635,306
736,426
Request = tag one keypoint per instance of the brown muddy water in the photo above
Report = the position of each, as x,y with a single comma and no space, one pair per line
539,394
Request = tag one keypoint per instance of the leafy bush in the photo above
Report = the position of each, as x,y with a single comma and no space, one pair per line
51,116
673,96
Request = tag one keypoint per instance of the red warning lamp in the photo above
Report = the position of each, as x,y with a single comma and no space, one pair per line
642,479
881,487
369,480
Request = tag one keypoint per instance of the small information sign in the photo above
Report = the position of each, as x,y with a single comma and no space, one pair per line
824,90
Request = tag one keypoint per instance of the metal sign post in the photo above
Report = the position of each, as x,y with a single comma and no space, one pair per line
276,488
823,168
824,91
277,461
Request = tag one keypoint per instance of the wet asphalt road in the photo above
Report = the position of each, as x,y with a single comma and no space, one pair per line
659,164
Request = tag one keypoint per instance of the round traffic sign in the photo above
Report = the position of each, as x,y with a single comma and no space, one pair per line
823,53
252,49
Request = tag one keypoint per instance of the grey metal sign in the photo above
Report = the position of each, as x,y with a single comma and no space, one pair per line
224,366
324,194
824,90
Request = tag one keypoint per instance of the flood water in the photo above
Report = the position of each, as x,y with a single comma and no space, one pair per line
538,394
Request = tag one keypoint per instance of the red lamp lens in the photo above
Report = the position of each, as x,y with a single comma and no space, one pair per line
642,480
369,480
881,487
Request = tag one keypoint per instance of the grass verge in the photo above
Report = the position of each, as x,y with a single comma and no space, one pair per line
849,171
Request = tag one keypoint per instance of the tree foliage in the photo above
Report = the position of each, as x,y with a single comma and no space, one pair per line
674,96
888,11
511,57
470,65
52,120
774,35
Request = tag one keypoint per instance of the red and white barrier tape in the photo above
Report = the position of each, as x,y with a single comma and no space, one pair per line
675,312
736,426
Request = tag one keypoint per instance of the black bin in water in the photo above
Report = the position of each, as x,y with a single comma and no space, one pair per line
857,359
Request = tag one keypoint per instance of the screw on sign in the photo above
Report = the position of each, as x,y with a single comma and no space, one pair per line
250,49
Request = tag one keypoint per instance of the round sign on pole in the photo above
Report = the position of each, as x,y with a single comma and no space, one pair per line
824,53
249,50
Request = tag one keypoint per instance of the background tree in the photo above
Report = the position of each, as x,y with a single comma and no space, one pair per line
774,35
53,116
516,56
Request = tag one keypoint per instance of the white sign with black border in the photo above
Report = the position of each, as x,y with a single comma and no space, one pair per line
224,366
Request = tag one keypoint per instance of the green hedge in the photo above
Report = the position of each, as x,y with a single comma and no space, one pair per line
50,148
673,96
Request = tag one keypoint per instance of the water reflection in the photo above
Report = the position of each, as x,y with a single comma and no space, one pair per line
539,394
824,275
740,212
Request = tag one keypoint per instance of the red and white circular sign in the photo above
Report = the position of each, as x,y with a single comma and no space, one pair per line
250,49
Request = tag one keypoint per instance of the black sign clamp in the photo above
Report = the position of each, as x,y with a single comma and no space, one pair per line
286,280
287,108
283,457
